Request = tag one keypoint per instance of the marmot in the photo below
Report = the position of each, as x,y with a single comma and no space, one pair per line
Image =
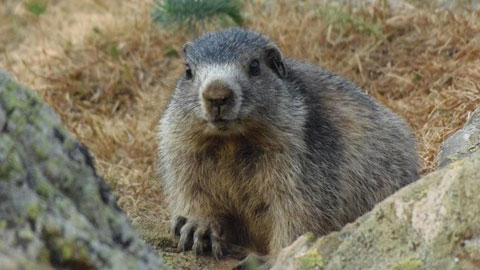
256,149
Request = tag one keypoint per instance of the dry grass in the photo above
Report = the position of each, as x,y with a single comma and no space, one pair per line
108,72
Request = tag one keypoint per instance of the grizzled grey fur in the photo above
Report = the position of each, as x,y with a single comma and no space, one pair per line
256,149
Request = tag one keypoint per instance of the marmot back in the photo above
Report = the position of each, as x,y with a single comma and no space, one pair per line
256,149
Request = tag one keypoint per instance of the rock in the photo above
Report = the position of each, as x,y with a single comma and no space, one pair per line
55,211
433,223
300,255
462,143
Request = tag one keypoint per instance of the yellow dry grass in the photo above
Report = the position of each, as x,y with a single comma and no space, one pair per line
108,72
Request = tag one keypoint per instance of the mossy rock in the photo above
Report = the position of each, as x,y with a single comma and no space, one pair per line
433,223
55,211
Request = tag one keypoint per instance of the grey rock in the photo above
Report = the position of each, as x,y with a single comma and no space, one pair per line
3,119
462,143
433,223
55,211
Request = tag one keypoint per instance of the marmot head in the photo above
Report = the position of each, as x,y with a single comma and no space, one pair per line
231,78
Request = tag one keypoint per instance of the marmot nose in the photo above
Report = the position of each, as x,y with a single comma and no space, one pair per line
218,98
217,94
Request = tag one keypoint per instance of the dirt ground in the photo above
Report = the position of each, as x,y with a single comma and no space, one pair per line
108,71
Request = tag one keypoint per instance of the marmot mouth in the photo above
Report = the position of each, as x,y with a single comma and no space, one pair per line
221,125
219,121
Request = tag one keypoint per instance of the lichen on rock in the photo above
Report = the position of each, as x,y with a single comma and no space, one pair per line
55,211
433,223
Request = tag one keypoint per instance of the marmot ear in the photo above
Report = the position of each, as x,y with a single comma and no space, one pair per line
275,60
185,48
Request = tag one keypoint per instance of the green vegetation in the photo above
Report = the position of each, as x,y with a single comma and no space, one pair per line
341,17
193,14
311,260
36,7
409,264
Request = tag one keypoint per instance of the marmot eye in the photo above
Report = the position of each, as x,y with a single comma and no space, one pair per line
188,72
254,69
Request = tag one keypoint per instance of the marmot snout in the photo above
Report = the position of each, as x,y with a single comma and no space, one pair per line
218,98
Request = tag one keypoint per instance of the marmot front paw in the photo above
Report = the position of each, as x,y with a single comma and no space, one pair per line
199,235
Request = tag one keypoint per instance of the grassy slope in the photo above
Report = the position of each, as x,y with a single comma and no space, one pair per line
108,72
